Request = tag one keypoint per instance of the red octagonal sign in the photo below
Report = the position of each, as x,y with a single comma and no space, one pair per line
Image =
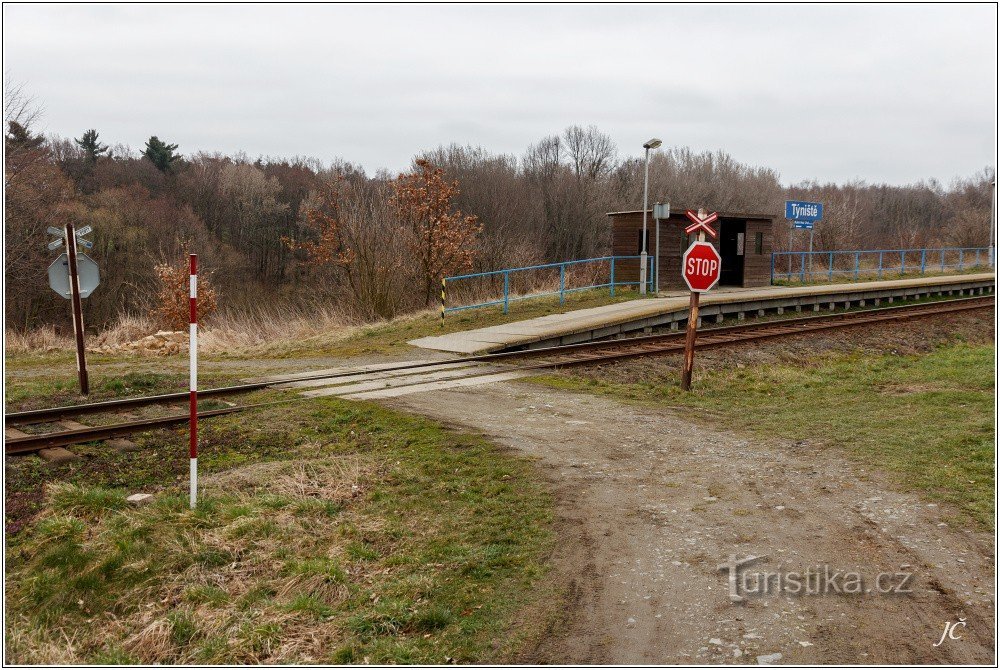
701,266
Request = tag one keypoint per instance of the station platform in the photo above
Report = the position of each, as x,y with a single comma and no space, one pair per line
670,310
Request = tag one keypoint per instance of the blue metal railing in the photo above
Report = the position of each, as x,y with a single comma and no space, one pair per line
507,294
825,265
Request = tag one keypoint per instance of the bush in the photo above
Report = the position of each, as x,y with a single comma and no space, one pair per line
173,307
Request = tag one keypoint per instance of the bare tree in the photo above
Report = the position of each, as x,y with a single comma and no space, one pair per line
591,152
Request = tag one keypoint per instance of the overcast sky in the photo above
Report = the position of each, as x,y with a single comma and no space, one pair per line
886,93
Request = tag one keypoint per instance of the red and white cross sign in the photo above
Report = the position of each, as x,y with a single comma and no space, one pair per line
701,224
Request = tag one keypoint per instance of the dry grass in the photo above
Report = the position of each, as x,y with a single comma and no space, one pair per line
128,328
39,339
262,327
246,332
284,330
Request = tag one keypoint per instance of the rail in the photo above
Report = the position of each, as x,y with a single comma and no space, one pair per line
560,356
809,266
502,287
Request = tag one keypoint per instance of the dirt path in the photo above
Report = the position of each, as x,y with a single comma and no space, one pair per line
650,505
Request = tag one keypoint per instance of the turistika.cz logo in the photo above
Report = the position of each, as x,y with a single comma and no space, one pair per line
816,580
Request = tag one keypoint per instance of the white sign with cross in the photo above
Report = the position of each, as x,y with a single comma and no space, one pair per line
86,268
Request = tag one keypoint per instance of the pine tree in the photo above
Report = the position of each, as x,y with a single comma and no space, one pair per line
91,146
19,137
161,154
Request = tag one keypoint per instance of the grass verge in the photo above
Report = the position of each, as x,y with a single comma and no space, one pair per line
327,532
927,420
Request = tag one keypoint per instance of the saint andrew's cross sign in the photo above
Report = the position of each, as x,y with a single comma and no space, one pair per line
700,223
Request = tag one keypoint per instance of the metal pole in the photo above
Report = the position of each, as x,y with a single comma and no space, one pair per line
830,276
193,349
656,258
811,278
993,223
77,303
562,284
612,276
506,290
643,260
444,287
790,253
857,264
923,260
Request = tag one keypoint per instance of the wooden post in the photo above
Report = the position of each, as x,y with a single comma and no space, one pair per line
692,335
692,329
77,302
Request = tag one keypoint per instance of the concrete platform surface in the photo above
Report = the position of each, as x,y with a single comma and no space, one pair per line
522,333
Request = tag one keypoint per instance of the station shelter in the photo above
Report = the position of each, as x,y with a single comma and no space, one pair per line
744,241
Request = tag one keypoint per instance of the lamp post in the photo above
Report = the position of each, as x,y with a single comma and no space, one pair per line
643,257
993,223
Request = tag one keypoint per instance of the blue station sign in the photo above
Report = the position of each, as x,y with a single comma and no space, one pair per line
797,210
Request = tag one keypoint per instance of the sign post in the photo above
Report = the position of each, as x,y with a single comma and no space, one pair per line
69,237
804,216
193,354
660,211
701,267
74,276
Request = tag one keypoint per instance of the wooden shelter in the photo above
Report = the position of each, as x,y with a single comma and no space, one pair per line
744,243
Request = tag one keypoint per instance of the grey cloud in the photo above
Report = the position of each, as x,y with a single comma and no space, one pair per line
887,93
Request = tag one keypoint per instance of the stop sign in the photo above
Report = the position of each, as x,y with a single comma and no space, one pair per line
701,266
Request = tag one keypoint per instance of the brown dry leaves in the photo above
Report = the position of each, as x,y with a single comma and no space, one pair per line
443,239
172,302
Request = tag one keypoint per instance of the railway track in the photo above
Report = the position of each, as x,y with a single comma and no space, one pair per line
413,374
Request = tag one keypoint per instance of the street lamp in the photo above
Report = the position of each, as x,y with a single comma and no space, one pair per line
643,257
993,223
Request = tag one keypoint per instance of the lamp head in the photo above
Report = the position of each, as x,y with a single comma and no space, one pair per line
652,144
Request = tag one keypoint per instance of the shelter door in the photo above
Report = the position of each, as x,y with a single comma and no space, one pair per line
732,248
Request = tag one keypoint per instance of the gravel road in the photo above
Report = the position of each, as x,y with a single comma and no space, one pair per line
649,505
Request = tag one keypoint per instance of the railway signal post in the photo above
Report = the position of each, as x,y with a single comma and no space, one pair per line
701,267
193,353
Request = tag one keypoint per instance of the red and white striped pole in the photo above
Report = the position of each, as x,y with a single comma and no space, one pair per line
193,349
